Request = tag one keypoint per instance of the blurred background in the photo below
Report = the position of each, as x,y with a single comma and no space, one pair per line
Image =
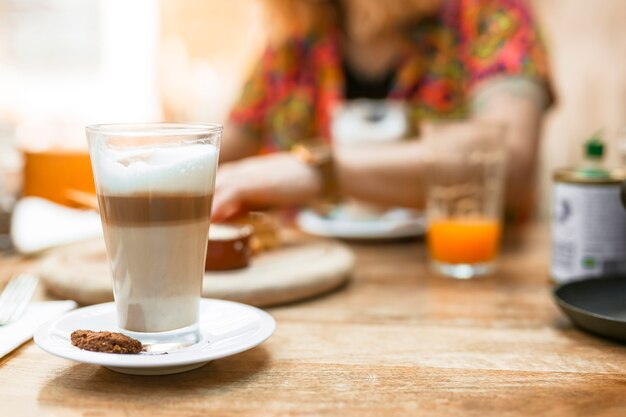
68,63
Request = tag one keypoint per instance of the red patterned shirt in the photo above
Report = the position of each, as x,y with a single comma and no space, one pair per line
295,87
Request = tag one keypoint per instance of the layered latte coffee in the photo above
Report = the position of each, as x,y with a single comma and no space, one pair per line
155,205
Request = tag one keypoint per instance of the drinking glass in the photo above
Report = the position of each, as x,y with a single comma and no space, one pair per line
154,184
464,190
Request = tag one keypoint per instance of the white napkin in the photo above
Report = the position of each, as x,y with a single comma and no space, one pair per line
39,224
14,334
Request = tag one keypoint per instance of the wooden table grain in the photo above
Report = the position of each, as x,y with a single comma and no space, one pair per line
397,341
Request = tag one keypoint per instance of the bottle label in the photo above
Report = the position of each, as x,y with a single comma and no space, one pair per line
588,231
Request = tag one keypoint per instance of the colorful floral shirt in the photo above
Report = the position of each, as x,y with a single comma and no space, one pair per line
295,87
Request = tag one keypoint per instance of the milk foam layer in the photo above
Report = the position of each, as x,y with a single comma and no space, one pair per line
163,169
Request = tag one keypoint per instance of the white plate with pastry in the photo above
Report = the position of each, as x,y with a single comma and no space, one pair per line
346,222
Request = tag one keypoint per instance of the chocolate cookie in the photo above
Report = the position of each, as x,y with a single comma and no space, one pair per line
107,342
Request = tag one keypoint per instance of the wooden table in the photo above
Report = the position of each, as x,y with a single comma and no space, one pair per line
396,341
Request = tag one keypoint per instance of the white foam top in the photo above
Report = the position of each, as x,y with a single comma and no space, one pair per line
169,169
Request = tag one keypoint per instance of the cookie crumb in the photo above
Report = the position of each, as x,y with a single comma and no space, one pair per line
106,342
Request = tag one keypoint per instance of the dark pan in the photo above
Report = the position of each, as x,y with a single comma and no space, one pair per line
597,305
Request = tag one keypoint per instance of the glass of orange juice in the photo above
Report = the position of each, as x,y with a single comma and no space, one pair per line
465,180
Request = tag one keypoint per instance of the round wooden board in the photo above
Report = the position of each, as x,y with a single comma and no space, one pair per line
299,269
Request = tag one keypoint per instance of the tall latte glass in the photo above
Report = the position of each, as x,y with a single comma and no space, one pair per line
155,186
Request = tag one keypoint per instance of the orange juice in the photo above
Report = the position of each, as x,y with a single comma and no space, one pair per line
52,174
464,241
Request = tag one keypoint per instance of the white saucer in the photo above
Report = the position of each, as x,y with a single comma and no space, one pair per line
226,328
395,224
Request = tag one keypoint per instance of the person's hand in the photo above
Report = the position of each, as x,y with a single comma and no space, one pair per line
273,180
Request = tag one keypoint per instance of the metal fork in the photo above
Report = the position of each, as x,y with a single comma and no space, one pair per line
15,297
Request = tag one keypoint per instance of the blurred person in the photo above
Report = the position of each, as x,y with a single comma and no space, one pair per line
444,59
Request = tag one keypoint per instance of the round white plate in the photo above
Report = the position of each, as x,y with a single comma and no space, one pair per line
395,224
226,328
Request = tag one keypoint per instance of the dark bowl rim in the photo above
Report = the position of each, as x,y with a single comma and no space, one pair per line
584,281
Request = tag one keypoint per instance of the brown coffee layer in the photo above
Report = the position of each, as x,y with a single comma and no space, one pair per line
153,209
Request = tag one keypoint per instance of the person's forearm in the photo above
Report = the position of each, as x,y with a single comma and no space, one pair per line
275,180
388,174
393,174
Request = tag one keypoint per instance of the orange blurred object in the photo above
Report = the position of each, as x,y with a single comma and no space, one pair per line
464,241
54,175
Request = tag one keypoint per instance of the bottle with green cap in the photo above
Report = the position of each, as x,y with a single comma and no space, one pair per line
592,166
588,222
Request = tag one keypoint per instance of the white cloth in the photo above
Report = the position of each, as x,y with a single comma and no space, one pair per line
39,224
14,334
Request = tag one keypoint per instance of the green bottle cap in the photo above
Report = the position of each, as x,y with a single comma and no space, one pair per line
594,150
594,147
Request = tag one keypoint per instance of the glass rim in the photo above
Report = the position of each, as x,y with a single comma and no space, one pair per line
155,129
